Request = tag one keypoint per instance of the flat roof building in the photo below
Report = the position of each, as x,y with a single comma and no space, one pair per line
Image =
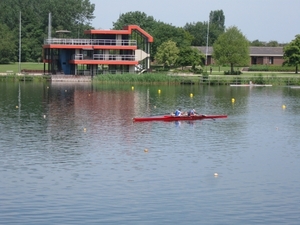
104,52
258,55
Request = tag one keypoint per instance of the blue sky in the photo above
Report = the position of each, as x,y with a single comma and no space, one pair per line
265,20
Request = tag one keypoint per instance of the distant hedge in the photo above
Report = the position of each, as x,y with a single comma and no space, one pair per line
271,68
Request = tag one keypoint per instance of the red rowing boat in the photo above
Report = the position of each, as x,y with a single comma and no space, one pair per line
177,118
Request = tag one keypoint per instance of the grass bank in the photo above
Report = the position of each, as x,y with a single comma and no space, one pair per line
14,67
216,77
152,78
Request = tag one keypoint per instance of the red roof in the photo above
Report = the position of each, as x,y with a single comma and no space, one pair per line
126,30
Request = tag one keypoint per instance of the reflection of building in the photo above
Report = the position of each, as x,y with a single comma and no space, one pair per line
258,55
106,51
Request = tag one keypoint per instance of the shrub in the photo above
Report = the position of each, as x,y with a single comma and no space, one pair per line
236,72
274,68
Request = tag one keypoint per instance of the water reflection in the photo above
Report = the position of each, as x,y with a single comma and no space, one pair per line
70,153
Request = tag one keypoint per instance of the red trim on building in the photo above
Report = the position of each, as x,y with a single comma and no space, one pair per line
103,62
104,47
127,30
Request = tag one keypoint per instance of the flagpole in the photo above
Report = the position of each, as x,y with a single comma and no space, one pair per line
20,45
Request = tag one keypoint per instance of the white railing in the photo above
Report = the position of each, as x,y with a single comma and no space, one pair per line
67,41
78,56
113,57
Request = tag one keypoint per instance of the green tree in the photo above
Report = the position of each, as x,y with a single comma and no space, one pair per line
291,53
272,44
7,46
68,14
158,30
141,19
232,48
257,43
163,32
190,57
216,26
167,53
199,29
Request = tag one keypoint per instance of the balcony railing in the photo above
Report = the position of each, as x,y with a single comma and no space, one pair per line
105,57
67,41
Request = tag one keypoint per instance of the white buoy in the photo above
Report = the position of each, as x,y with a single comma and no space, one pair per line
216,174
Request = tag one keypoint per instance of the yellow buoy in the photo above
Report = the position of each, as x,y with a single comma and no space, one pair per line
232,100
283,106
159,91
191,95
132,88
17,107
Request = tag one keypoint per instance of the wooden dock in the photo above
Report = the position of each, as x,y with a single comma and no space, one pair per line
70,78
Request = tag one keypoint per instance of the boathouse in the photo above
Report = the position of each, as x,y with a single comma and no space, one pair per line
103,52
258,55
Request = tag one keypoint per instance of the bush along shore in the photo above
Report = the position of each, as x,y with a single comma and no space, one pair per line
275,79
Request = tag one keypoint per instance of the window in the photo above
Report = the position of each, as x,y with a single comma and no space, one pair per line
271,60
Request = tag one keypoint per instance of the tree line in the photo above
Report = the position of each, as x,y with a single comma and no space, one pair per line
73,15
76,16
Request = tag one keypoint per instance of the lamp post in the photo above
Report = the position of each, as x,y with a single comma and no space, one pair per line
210,15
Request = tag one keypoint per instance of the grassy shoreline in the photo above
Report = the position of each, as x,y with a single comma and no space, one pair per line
273,79
217,77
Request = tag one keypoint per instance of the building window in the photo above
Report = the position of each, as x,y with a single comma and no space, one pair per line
271,60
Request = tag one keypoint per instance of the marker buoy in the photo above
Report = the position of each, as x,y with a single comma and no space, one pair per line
84,129
145,150
283,106
232,100
132,88
191,95
216,174
159,91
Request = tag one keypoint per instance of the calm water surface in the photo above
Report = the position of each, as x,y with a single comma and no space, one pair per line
70,154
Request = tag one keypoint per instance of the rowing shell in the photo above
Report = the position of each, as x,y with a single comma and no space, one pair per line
177,118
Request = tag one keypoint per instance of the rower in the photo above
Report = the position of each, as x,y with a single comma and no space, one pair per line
192,112
178,112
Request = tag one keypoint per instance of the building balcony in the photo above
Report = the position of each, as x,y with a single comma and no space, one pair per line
67,41
105,57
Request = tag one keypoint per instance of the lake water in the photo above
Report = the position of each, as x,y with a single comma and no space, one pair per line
70,154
